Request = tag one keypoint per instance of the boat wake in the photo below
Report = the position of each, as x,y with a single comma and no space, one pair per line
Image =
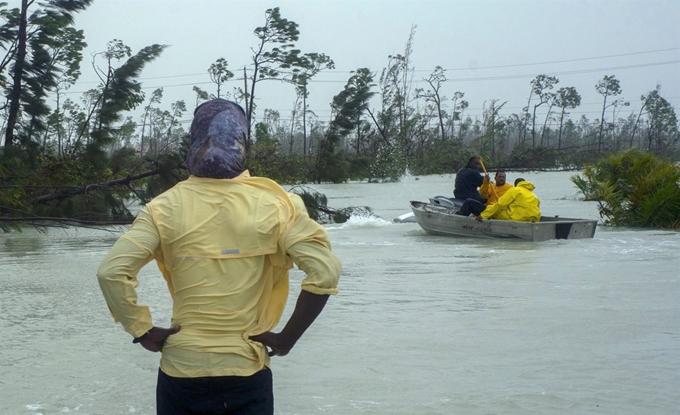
362,221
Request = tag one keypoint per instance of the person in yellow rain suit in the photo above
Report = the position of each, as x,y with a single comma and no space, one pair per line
492,192
518,203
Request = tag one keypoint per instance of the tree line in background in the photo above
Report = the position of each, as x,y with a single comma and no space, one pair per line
88,159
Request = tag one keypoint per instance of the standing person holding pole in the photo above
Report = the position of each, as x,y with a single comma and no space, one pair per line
224,242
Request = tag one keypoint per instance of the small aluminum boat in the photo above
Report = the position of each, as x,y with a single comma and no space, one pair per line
439,217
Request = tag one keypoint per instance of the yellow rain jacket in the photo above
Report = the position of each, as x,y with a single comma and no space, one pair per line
518,203
492,192
225,286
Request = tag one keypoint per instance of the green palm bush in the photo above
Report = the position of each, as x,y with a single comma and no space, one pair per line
634,189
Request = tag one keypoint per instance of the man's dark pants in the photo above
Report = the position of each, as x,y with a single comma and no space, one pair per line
471,206
223,395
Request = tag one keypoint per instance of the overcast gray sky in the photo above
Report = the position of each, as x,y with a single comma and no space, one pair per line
490,49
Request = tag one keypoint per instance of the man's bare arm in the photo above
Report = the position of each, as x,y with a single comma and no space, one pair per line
307,309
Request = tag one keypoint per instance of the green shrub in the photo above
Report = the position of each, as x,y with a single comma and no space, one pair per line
634,189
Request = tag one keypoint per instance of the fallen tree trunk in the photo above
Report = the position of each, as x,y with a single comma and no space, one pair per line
124,181
34,219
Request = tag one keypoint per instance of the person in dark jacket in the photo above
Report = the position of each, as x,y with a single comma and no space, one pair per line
468,180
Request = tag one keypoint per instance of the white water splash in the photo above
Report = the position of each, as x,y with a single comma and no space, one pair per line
363,221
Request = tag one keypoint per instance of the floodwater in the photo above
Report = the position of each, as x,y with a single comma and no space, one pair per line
423,324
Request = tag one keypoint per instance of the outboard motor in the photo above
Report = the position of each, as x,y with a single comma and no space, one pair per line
446,202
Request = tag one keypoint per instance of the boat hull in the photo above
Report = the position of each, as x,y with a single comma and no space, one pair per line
443,221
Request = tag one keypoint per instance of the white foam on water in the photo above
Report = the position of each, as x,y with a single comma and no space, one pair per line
365,221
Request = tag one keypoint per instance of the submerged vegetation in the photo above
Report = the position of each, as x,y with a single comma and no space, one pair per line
634,189
87,160
317,206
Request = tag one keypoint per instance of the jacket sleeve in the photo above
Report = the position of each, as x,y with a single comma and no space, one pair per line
117,274
502,204
477,178
308,245
484,189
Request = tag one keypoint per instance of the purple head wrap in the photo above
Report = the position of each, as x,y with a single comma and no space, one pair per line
218,140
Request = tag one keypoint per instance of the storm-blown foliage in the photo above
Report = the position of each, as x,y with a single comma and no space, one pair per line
634,189
348,107
88,158
122,92
73,162
42,53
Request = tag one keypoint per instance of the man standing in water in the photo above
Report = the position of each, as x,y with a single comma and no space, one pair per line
224,242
